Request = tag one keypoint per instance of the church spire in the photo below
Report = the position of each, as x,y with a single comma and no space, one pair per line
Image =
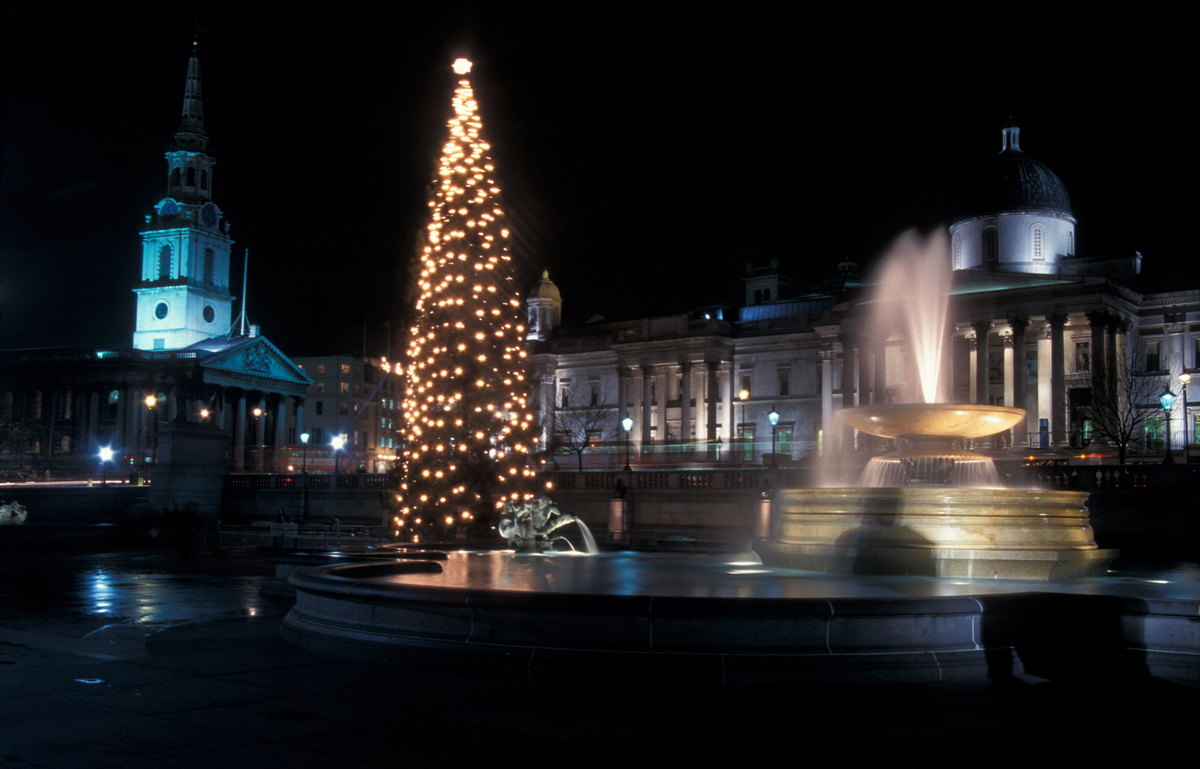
191,135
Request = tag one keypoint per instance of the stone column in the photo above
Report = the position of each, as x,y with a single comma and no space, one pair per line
299,416
1114,352
1058,380
1044,389
280,428
849,379
623,376
1009,380
685,405
879,385
982,328
713,396
731,387
647,414
260,431
826,357
664,390
1020,363
239,432
546,407
972,369
1098,320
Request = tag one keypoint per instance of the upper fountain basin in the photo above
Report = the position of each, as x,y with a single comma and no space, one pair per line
942,420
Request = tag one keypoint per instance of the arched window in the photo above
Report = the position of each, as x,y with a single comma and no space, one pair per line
191,177
1071,243
991,245
1037,243
204,180
175,177
210,267
958,251
164,263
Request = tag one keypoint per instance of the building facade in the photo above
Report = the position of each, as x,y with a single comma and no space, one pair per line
1032,325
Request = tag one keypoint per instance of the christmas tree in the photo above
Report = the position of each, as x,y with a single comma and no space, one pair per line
469,433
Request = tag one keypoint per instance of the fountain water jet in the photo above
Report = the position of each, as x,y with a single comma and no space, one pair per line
931,508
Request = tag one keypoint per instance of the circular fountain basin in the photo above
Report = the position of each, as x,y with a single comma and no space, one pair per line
663,618
942,532
943,420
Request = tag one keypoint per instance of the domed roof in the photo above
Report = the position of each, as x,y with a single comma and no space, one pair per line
1012,181
545,289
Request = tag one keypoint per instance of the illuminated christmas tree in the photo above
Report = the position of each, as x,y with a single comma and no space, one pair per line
469,434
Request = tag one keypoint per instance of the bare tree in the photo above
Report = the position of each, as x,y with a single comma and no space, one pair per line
583,418
1122,404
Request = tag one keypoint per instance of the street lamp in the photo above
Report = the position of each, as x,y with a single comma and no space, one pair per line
743,396
773,418
337,443
1167,399
304,453
627,424
1185,378
106,455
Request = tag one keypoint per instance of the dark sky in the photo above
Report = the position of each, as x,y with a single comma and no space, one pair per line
644,156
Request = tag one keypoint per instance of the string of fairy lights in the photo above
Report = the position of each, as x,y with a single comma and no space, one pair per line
469,431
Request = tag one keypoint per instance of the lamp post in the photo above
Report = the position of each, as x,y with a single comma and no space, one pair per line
1167,399
627,425
743,396
773,417
1184,378
151,402
304,476
106,455
337,443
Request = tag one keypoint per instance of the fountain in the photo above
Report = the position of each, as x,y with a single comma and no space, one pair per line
931,508
734,619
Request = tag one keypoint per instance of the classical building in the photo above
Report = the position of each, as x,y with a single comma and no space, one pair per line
188,360
357,398
1032,324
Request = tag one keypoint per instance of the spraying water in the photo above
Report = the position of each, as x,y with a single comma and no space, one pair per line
912,294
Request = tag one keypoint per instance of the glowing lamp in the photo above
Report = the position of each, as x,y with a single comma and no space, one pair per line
1167,399
773,417
461,66
106,454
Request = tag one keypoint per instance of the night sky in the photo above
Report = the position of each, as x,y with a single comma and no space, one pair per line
644,156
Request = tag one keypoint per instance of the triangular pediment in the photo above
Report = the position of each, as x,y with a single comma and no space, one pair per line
249,358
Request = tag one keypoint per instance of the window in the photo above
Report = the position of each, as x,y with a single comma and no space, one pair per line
160,344
344,409
344,388
783,440
345,368
318,433
175,177
1071,243
746,378
320,407
594,386
210,266
766,294
1154,432
1083,357
164,263
785,381
564,393
958,251
320,387
1038,244
204,180
320,368
991,245
1152,356
191,177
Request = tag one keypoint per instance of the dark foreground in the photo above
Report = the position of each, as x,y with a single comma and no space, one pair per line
136,659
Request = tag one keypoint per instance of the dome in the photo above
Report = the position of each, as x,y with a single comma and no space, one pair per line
545,289
1012,182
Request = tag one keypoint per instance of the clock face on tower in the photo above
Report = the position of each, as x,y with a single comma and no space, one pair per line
208,215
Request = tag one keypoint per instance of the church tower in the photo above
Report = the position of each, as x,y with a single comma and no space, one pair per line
183,296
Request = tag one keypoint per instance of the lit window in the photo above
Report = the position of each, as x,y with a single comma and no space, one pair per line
345,368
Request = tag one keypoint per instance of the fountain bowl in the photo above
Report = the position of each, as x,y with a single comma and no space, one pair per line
937,420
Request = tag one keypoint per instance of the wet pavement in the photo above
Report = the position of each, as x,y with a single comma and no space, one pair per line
149,660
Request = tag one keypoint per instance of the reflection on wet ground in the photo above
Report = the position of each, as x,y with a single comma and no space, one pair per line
744,576
148,660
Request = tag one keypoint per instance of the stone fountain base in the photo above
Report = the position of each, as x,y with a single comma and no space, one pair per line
938,532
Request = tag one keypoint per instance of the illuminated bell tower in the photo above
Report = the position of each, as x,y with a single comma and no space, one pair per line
184,296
